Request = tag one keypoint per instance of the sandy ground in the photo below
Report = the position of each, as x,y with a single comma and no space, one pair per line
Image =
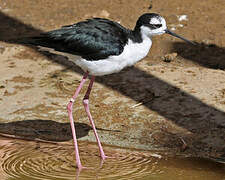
173,100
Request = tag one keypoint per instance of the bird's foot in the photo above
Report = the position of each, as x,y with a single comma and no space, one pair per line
80,168
104,157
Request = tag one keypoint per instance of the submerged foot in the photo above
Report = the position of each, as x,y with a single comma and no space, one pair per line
80,168
104,157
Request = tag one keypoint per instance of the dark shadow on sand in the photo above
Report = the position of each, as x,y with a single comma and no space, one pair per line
46,130
208,55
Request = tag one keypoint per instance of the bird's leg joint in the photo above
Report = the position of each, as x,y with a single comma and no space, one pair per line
85,101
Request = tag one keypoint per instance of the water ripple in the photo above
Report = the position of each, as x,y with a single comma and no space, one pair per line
27,160
23,160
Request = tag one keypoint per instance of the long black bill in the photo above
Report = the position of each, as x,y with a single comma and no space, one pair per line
176,35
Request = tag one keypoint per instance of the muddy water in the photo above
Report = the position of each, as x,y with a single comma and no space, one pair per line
28,160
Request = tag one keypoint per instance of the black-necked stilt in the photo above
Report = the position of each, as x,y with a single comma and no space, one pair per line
103,47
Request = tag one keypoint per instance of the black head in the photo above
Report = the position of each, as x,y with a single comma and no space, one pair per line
151,24
147,20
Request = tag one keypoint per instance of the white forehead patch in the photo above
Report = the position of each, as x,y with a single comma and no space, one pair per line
155,21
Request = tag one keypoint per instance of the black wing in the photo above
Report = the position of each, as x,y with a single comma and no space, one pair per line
92,39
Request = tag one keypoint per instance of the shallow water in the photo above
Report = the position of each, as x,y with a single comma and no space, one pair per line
28,160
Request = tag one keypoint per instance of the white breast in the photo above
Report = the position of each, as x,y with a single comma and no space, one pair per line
132,53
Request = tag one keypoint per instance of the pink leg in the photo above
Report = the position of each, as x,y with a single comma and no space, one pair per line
69,108
86,106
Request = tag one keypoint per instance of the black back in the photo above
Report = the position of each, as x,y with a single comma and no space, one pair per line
92,39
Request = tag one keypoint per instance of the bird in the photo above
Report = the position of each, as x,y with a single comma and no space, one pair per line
100,47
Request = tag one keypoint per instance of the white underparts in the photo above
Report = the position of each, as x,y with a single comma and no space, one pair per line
132,53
